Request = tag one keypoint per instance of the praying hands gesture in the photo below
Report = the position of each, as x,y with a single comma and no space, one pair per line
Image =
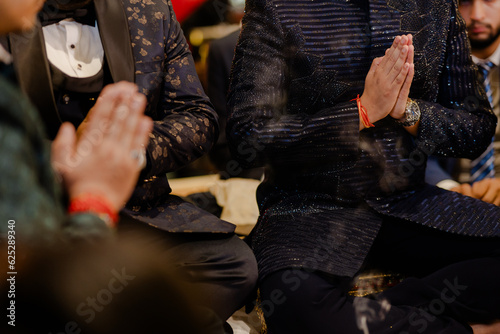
104,159
388,82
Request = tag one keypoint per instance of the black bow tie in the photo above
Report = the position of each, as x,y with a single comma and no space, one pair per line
7,71
84,16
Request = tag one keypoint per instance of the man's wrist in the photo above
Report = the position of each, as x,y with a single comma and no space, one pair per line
411,114
95,204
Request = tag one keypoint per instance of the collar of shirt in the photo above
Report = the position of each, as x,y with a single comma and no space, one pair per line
494,58
5,56
74,48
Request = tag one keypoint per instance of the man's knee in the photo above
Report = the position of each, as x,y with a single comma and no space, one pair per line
246,271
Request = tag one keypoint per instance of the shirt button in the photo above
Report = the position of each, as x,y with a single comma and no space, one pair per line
79,66
72,46
66,98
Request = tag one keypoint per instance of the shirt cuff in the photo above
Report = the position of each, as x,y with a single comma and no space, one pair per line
447,184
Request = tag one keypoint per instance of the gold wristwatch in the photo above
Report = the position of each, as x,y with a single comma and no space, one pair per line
412,113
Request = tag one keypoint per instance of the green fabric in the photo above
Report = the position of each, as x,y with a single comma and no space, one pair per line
29,193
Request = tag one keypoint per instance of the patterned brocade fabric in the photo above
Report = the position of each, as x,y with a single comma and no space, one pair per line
165,73
143,43
298,65
185,122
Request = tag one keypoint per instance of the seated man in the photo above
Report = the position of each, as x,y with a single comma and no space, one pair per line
342,123
31,204
82,45
479,178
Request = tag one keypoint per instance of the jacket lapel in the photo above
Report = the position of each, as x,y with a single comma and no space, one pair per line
115,36
32,68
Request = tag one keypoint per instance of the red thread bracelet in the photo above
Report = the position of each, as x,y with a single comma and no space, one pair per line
96,204
363,114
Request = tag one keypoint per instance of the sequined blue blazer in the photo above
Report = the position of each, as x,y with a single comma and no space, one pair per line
143,43
297,67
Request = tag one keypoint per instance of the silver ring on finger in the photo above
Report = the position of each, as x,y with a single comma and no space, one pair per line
140,157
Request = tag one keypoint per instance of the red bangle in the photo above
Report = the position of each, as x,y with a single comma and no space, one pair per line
363,114
95,204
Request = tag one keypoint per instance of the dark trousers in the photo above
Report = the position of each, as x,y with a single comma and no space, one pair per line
453,281
219,269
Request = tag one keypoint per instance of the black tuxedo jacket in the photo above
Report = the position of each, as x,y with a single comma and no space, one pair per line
143,43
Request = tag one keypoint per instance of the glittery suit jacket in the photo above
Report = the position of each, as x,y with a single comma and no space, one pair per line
143,43
297,67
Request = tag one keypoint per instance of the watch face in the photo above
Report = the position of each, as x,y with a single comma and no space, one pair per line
412,113
411,110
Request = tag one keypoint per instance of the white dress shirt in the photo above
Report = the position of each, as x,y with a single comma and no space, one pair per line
74,48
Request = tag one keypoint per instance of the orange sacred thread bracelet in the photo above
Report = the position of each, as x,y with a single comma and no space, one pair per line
96,204
363,114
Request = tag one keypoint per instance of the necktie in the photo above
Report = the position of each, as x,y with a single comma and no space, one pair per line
484,166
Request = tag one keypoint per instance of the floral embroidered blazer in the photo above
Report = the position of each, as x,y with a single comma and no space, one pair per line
143,43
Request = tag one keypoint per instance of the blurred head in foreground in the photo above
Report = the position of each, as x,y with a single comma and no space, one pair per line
98,288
